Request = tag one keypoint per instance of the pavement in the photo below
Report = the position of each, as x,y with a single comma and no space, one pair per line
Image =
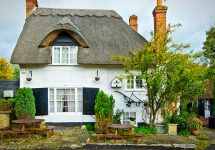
75,138
211,135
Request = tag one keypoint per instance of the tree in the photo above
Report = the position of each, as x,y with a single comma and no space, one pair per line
209,53
169,73
16,72
6,71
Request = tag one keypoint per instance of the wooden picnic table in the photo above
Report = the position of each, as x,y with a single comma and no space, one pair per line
123,135
123,127
25,122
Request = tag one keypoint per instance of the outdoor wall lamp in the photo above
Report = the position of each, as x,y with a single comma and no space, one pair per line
29,76
97,76
128,104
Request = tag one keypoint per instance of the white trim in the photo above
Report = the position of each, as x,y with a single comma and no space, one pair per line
55,100
134,89
75,56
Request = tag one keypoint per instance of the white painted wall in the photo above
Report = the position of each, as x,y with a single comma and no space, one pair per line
49,76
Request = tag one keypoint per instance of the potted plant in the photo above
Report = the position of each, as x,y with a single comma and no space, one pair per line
195,126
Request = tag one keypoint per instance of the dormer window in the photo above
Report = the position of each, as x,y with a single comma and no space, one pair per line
64,50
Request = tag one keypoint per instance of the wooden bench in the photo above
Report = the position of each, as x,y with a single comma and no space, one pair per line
137,137
10,132
48,132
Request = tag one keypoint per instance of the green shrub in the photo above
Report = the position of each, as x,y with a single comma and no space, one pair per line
11,100
103,111
195,125
184,121
201,145
117,116
146,130
25,104
202,136
90,127
184,133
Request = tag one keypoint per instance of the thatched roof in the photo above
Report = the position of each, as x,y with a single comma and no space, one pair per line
100,34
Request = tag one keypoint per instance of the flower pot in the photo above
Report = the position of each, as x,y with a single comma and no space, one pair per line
195,132
132,119
172,129
160,128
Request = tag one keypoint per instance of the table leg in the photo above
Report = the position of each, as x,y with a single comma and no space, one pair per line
132,131
23,127
116,132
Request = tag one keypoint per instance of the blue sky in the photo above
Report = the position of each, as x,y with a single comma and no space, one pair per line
196,16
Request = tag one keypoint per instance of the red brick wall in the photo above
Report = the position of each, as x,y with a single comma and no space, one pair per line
133,22
30,5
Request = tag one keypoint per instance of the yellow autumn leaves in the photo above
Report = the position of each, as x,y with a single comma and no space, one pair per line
6,70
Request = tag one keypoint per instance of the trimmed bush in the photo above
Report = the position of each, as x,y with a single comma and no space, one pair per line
25,104
103,110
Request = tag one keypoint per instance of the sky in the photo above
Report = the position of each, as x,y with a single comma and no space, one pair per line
196,17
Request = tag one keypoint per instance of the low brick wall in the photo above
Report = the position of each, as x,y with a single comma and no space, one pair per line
5,119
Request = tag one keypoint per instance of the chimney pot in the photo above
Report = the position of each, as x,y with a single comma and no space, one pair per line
133,22
159,2
30,6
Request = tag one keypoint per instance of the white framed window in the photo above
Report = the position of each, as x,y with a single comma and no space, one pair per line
135,83
64,55
62,100
126,117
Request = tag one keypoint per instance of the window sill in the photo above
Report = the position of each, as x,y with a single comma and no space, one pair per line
64,65
65,113
134,90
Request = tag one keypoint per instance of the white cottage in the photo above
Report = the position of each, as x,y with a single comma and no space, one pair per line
65,56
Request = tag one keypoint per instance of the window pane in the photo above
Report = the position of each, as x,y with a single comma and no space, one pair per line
65,55
126,117
56,55
51,109
65,100
130,83
79,100
139,83
73,54
51,100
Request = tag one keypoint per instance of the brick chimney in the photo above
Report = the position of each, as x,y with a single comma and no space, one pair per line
30,6
133,22
159,14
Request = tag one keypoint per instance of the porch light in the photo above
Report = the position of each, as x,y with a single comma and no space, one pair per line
128,104
29,76
97,76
